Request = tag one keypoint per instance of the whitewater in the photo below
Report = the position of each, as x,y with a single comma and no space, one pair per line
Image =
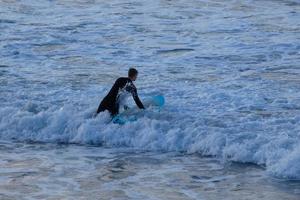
229,72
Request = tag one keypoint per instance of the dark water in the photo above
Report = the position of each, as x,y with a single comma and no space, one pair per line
48,171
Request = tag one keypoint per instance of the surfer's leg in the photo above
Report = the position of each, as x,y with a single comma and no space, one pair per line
114,110
101,108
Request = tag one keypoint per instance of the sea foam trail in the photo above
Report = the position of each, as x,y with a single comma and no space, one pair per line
157,130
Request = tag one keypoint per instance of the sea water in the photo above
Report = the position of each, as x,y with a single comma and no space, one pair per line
229,71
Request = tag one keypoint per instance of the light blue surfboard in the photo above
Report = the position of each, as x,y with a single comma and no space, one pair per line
123,118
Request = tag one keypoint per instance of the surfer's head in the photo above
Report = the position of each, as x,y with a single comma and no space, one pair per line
132,74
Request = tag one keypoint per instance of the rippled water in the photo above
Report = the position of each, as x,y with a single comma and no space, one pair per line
87,172
229,71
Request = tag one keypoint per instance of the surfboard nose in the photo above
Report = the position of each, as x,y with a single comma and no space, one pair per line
159,100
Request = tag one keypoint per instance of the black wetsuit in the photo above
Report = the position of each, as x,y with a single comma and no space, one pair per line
111,101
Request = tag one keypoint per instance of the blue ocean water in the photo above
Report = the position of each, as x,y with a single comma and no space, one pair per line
229,71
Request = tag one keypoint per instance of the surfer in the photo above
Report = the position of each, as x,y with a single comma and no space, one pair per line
119,92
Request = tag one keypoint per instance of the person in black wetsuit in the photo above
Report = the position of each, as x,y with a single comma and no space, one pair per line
122,87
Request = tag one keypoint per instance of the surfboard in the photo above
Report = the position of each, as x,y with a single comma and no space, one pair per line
158,100
129,116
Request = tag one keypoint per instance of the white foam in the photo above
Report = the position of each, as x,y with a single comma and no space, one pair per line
163,130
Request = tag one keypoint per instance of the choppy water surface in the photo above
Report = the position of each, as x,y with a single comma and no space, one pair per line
229,71
82,172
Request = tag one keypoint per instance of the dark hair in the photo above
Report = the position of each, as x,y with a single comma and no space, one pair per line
132,72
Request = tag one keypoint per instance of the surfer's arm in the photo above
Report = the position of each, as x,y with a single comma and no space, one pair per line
137,99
